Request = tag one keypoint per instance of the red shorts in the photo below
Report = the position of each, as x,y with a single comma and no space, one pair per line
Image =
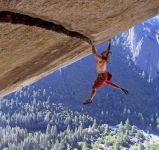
101,79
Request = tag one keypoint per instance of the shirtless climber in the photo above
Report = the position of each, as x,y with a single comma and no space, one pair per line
103,75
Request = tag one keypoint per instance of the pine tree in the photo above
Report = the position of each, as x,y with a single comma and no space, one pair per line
94,126
157,123
85,147
141,147
56,145
116,146
121,127
48,129
127,125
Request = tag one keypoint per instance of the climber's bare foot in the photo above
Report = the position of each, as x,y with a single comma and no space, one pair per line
88,101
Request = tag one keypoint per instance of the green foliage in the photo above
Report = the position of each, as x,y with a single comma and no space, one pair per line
46,125
125,136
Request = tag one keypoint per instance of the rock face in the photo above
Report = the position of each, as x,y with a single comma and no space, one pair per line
31,46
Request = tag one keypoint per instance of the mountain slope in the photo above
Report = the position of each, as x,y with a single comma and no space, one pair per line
142,47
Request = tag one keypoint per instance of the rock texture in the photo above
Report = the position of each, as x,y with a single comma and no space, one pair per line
30,51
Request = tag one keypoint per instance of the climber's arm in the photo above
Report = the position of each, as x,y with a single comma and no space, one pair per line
110,46
94,51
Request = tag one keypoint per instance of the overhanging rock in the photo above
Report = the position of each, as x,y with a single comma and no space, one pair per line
31,46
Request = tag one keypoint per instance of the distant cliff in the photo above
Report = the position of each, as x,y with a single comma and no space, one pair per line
37,38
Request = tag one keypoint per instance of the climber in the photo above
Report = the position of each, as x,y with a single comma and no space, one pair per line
103,75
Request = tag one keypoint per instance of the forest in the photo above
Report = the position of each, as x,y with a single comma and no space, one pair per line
33,123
